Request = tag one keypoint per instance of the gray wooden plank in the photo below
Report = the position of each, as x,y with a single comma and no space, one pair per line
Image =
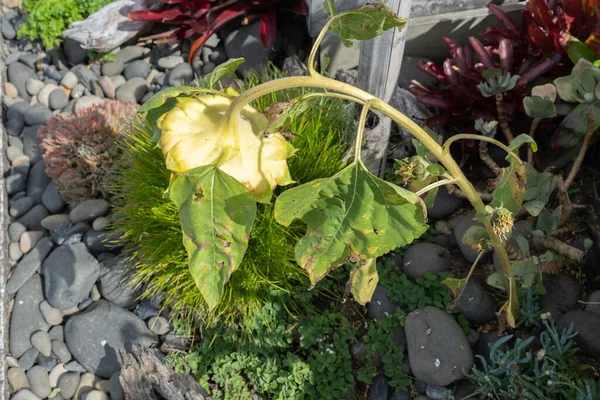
378,72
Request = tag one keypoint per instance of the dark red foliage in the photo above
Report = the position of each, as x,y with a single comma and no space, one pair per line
203,18
530,50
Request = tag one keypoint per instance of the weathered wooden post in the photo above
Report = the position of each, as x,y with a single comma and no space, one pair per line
378,73
378,70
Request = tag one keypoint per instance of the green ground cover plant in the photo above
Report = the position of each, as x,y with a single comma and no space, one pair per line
150,220
47,19
272,357
523,371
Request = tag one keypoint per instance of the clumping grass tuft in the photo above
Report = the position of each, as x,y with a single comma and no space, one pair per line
152,234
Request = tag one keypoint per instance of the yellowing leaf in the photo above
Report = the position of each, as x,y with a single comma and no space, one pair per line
195,133
216,213
351,216
363,281
511,189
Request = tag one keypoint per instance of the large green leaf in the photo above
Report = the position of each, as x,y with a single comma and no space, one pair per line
363,281
539,107
216,214
351,216
363,23
571,131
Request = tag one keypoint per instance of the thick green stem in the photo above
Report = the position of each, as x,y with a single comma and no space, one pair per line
361,129
435,185
446,147
421,135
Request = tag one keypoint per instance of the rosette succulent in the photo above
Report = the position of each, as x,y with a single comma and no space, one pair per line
79,149
196,133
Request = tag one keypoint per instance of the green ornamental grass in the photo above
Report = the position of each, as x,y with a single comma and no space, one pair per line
151,234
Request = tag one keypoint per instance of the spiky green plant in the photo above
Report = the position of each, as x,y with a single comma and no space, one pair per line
152,234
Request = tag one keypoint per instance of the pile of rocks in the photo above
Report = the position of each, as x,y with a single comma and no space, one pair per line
71,310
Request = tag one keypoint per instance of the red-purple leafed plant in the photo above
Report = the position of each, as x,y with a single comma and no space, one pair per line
530,50
203,18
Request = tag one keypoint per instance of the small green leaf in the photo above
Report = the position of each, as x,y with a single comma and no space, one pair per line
363,281
523,246
429,198
538,107
454,284
491,74
567,89
496,280
578,50
326,60
520,141
526,273
547,91
548,256
477,237
216,214
228,68
435,169
364,23
351,216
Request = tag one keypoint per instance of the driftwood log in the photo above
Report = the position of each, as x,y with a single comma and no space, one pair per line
110,27
145,377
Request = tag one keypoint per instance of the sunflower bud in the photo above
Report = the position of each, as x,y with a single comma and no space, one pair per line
501,220
195,133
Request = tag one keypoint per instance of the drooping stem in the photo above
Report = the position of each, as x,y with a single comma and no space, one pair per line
446,147
584,146
502,117
466,279
311,62
435,185
362,121
420,134
534,125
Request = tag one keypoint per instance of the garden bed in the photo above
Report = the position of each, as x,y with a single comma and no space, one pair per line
94,260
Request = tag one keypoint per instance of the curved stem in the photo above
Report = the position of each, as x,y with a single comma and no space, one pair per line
335,96
419,133
435,185
361,130
315,48
462,136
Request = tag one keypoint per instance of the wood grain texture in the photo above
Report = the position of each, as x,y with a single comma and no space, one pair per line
110,27
145,377
378,73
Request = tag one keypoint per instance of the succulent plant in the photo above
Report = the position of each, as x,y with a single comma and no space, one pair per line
78,148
